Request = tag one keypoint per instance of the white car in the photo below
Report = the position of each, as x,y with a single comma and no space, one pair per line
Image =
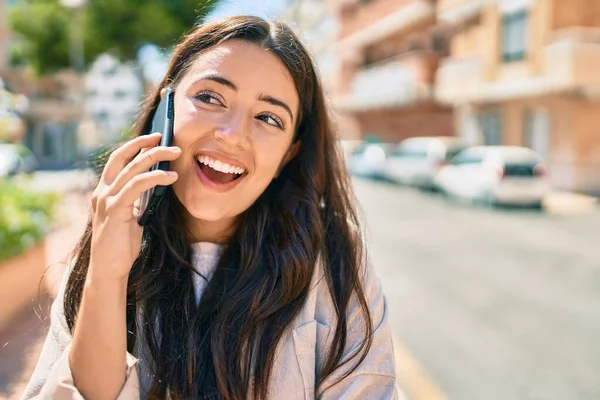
507,175
416,161
369,160
349,147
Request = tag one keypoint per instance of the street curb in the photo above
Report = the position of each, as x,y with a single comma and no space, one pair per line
569,203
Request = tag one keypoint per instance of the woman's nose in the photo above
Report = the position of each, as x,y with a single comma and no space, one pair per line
233,133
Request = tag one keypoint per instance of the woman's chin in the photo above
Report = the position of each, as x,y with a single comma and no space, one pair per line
207,213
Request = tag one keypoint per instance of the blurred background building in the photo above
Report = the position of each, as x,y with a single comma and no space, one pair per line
524,72
113,92
53,103
389,52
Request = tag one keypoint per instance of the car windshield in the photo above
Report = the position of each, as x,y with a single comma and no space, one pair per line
410,152
521,169
452,153
467,158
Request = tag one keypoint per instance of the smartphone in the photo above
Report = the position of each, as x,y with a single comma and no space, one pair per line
162,122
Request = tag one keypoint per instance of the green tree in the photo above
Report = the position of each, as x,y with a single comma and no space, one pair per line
120,27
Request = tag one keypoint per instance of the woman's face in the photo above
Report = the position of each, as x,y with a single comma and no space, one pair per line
235,113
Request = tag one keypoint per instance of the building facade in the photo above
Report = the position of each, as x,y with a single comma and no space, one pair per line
525,72
389,52
113,93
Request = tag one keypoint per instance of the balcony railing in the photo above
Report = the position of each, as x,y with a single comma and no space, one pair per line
456,11
55,109
365,32
458,79
397,82
571,60
568,63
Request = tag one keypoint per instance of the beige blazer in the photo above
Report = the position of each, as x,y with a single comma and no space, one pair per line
299,355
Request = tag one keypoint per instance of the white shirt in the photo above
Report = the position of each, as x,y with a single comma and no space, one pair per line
205,257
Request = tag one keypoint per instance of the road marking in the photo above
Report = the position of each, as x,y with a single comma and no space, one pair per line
412,378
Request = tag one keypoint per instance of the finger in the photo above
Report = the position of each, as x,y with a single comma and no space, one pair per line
120,157
142,163
142,182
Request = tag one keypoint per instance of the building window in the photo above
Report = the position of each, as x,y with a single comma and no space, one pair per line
514,36
438,42
491,127
120,94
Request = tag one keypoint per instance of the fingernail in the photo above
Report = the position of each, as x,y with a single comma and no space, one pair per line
172,173
175,148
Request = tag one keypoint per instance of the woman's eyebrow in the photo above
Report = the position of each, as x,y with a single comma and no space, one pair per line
272,100
217,78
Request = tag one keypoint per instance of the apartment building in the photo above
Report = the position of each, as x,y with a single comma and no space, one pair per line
388,52
525,72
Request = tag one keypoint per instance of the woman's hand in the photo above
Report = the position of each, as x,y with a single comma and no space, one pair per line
116,235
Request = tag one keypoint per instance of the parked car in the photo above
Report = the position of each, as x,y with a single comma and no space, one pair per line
496,175
369,159
416,161
16,159
349,147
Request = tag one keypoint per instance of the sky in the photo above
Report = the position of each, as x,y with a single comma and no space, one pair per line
261,8
155,62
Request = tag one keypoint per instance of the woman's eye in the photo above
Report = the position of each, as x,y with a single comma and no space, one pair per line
271,120
208,98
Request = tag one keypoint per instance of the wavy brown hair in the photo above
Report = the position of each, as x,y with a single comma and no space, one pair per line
225,346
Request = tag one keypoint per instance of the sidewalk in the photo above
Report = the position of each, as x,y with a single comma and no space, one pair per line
22,342
570,203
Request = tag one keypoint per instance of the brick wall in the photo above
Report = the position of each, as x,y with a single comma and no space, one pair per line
575,13
358,15
393,125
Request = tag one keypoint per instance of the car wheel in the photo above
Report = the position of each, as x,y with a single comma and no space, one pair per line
537,206
487,201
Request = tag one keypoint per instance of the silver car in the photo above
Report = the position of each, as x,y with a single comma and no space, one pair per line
416,161
508,175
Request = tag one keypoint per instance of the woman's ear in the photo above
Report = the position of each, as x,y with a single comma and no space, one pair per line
289,155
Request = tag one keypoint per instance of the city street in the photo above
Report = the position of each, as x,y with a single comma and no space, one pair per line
487,304
492,304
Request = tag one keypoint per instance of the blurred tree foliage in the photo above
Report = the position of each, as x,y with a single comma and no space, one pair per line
25,217
120,27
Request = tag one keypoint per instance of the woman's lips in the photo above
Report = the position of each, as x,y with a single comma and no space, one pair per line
211,184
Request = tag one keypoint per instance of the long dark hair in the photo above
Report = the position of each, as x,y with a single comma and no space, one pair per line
225,346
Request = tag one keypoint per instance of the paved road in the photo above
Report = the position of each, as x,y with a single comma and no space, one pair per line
494,304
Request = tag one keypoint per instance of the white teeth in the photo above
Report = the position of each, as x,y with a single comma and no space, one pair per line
220,165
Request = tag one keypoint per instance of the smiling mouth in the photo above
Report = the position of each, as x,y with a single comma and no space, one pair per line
219,172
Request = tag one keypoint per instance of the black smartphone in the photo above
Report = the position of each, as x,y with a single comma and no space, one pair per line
162,122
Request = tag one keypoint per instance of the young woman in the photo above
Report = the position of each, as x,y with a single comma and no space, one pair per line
251,279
